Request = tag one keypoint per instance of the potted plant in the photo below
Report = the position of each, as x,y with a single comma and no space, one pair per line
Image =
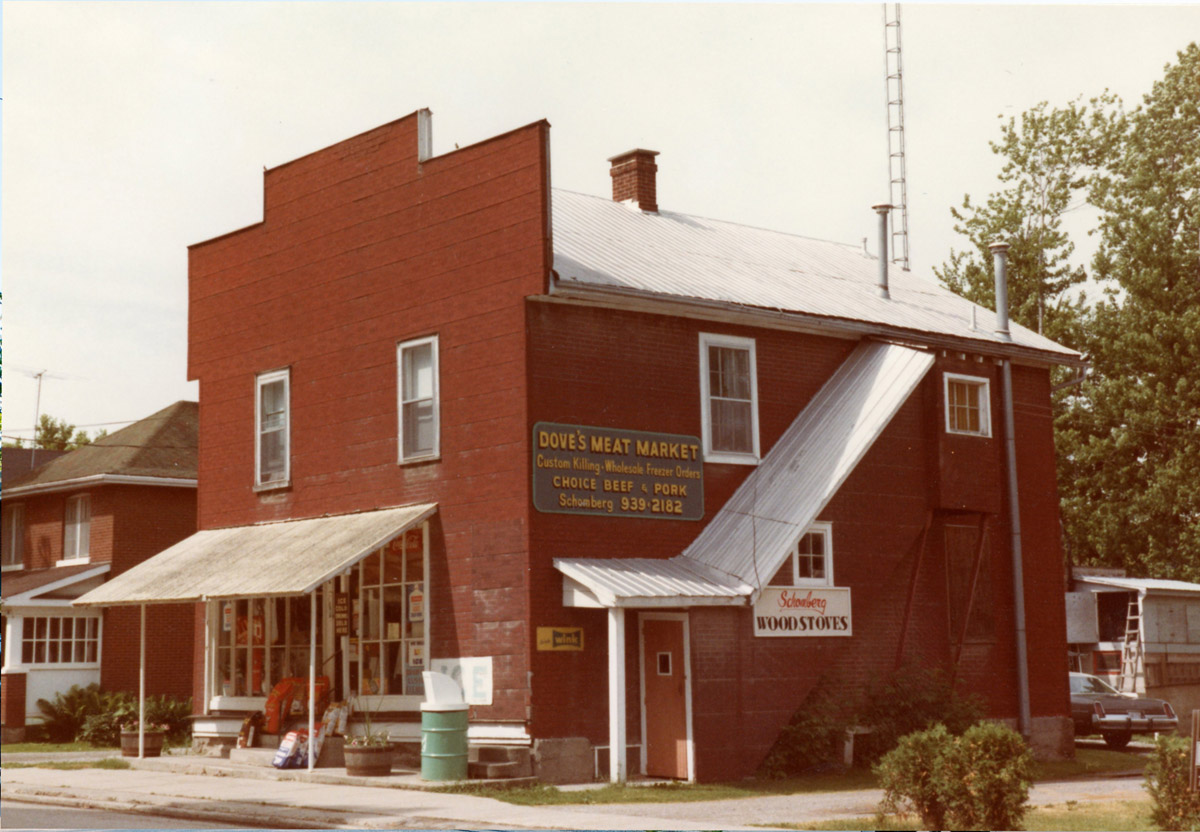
370,753
154,735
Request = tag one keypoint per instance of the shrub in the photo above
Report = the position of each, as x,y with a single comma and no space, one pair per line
64,717
1175,805
96,716
810,742
979,780
912,699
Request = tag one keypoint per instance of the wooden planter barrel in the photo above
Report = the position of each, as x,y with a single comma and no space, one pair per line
129,743
369,760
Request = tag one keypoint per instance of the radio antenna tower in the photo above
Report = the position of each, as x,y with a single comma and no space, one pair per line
898,187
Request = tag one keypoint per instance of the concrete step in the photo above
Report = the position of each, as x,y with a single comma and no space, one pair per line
498,761
332,753
496,771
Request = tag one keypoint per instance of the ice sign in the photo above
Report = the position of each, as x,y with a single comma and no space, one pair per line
473,674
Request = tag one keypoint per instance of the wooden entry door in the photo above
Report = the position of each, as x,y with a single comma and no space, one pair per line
664,705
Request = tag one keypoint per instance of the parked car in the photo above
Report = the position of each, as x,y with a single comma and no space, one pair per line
1099,708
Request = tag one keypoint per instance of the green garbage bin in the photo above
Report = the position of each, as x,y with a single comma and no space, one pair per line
443,741
443,729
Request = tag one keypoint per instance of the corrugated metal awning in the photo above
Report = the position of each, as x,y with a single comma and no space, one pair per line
640,582
287,558
1144,585
747,541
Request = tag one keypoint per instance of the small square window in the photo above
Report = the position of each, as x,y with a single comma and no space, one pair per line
810,562
664,664
968,405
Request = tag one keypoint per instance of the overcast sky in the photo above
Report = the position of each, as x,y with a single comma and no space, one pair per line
133,130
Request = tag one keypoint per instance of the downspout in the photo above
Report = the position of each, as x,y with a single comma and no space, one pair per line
1000,257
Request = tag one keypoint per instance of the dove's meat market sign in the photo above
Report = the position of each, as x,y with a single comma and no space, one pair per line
608,472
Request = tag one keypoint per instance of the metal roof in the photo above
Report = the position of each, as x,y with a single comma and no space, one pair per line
751,535
604,244
621,582
26,587
1142,584
748,539
286,558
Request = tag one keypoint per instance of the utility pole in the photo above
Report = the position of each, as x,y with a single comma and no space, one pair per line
897,184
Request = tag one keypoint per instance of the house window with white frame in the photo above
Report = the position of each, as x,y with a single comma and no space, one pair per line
272,454
417,366
728,398
968,405
77,528
60,639
14,537
810,561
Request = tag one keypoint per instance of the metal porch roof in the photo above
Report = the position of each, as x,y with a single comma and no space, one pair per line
286,558
1147,585
748,539
606,245
623,582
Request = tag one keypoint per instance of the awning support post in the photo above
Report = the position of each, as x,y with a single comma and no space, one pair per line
312,673
142,684
616,694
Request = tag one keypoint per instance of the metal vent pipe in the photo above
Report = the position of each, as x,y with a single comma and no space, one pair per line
1000,261
881,288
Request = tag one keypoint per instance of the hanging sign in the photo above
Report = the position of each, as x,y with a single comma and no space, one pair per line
341,613
560,638
607,472
803,611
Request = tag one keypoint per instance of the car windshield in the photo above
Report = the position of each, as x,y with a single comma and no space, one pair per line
1090,684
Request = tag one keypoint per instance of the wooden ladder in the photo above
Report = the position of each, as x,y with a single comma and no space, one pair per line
1131,649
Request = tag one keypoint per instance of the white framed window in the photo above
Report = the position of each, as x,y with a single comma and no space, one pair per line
810,561
14,537
417,369
968,405
272,419
728,398
77,528
61,639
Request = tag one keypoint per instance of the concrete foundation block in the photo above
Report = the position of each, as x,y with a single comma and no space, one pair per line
563,760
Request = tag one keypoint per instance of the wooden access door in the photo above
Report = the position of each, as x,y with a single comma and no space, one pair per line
664,705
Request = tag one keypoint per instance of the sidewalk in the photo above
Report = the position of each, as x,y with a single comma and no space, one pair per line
199,788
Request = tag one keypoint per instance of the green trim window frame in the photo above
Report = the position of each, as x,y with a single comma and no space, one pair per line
810,560
968,405
729,399
418,405
272,429
14,536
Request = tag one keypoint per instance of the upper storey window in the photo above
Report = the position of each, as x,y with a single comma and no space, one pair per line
968,405
417,363
810,562
729,398
77,528
14,536
272,455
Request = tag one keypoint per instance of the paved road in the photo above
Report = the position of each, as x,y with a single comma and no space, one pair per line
14,815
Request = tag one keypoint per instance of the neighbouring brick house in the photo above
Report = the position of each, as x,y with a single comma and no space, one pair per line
639,479
70,524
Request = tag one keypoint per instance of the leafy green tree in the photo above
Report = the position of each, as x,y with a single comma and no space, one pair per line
1048,155
59,435
1129,441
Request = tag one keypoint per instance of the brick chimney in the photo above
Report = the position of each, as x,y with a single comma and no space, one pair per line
633,174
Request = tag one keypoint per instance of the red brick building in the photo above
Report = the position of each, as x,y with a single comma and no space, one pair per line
71,524
599,459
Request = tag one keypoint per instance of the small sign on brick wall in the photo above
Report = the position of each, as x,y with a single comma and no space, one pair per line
560,638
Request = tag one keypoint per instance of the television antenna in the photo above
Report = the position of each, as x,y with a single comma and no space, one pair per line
37,407
897,184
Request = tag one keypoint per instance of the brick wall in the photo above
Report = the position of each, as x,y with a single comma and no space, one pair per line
12,703
640,372
362,247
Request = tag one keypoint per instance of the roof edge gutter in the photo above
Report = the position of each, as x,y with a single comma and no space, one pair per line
654,303
98,479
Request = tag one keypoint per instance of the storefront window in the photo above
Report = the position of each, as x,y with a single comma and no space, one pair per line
388,638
